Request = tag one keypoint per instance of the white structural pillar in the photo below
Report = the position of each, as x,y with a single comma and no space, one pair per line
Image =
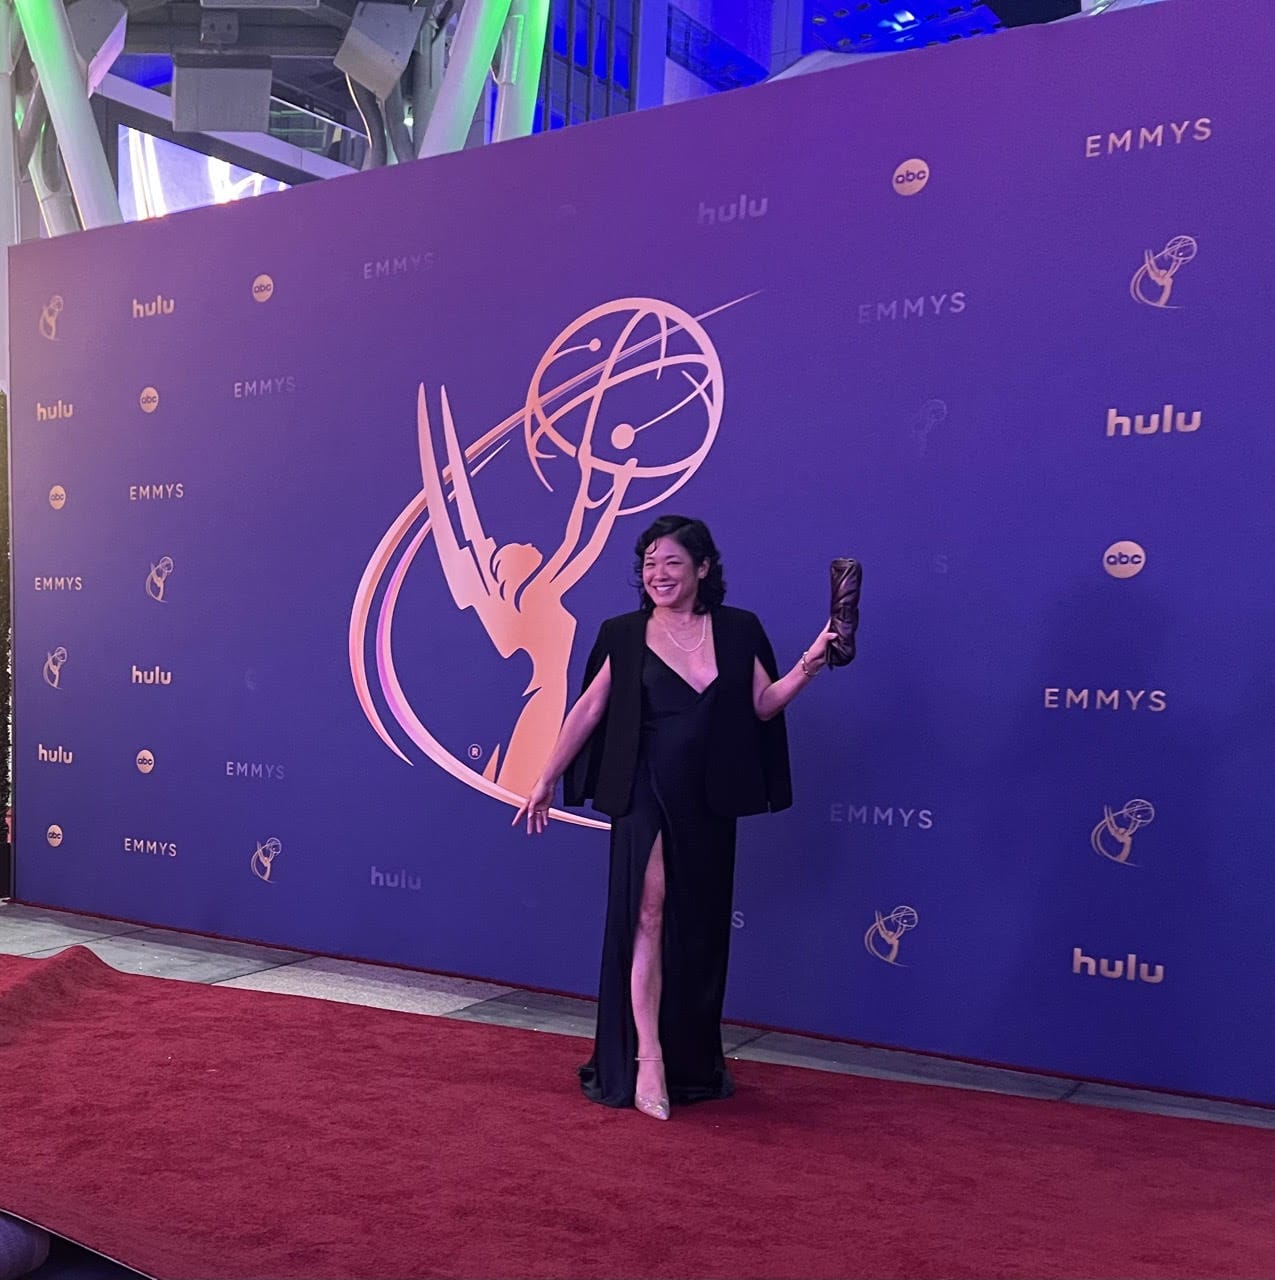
48,34
787,29
57,204
522,49
651,59
468,65
430,63
10,232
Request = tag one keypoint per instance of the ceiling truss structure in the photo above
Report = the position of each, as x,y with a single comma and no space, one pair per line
409,76
415,73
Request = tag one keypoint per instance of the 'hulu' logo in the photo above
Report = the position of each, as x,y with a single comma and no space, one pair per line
58,411
156,675
1131,969
740,210
400,879
162,306
1153,424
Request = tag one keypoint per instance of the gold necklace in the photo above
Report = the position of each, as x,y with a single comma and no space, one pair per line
703,635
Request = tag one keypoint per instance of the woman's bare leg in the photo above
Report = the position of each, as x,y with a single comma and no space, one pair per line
646,980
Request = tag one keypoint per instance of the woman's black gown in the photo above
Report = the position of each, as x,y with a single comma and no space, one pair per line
669,797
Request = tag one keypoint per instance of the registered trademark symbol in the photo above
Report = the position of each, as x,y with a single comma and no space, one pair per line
475,751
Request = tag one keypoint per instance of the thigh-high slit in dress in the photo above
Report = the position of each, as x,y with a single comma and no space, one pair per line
669,799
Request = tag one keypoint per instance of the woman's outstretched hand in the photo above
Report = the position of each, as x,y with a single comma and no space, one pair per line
817,654
535,808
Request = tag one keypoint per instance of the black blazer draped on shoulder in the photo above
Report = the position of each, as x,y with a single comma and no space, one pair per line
748,769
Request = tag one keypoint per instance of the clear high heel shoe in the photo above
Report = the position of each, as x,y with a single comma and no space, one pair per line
656,1108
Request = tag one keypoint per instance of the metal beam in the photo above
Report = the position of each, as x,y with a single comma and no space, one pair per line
52,48
53,193
337,13
522,47
316,42
427,71
469,65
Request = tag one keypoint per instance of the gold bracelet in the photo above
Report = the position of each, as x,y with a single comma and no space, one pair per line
805,670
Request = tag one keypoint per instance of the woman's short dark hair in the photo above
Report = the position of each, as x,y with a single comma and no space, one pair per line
699,544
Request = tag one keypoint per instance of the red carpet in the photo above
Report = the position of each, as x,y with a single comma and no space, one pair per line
197,1132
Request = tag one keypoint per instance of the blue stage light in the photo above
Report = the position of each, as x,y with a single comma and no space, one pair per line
150,70
883,26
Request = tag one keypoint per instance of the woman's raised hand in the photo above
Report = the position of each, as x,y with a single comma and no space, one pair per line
535,808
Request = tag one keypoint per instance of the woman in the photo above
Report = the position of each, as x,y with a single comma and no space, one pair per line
679,731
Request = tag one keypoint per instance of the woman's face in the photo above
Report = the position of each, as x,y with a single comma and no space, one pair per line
670,576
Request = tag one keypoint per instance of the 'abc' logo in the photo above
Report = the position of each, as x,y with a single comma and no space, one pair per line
911,177
57,497
262,289
149,399
1124,559
145,761
54,835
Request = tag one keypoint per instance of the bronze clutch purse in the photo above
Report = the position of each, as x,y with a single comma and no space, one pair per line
847,577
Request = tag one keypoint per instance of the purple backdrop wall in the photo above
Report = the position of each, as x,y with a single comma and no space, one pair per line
939,299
